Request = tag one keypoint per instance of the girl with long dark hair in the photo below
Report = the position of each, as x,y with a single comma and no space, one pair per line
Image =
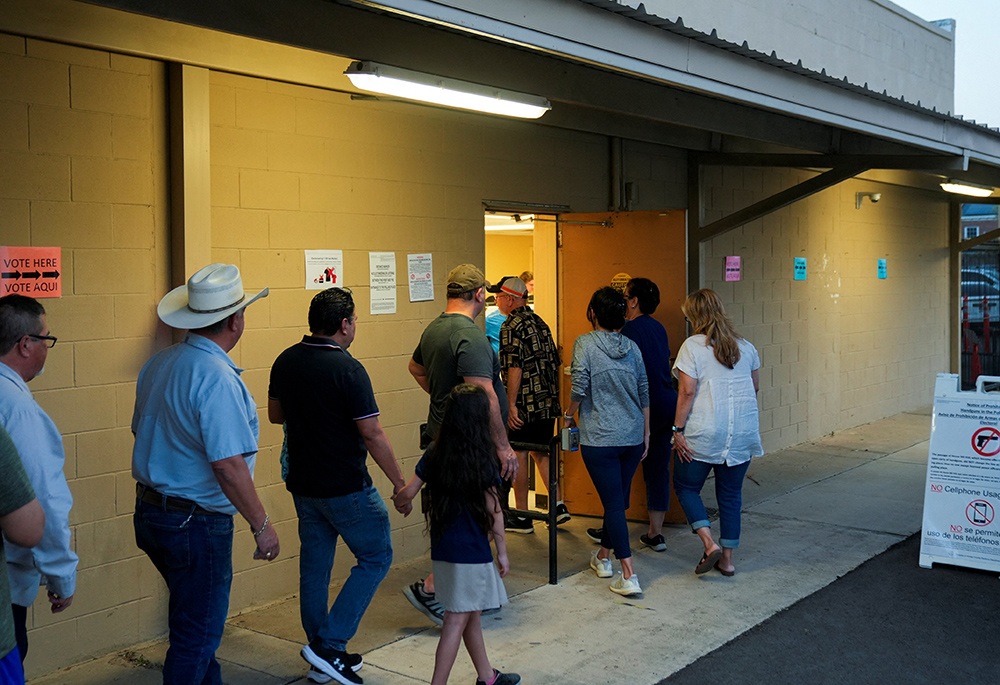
463,512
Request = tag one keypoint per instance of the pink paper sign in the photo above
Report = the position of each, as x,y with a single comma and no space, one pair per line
733,268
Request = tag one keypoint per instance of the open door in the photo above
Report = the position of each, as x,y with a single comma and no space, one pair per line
594,248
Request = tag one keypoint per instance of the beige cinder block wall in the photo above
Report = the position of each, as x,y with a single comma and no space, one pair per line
83,168
297,168
843,347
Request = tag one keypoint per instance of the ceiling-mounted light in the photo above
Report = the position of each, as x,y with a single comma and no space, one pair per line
966,188
414,85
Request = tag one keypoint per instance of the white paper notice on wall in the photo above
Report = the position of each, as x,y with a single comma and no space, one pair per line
962,491
420,275
382,266
324,269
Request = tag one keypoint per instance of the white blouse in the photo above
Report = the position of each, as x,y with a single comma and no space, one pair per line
723,426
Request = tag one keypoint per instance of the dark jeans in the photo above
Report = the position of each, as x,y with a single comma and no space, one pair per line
689,478
21,629
656,470
611,469
194,554
362,520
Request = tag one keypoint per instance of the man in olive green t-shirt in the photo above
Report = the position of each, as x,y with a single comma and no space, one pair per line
454,350
22,521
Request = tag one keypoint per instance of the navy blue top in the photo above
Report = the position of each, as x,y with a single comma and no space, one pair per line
651,338
462,541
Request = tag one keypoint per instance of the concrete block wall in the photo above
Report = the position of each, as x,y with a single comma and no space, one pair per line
841,348
296,169
869,41
82,167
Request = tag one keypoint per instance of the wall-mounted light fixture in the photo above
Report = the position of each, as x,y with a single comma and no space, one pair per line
438,90
858,197
966,188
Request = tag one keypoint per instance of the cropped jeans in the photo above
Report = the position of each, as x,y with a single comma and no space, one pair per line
612,469
194,554
362,520
689,478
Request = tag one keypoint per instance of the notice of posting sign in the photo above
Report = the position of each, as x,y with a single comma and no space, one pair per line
31,271
962,492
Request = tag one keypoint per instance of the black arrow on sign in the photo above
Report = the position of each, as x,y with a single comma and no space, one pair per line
11,274
50,274
31,274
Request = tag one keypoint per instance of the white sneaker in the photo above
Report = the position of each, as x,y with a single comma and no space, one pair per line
602,567
626,587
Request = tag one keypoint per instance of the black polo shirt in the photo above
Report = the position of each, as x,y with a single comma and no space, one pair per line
323,392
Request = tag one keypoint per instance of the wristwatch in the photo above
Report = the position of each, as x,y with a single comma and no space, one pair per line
679,429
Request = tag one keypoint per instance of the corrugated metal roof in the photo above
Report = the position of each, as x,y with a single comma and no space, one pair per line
678,28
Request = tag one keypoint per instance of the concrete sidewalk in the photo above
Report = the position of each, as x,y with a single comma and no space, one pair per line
811,513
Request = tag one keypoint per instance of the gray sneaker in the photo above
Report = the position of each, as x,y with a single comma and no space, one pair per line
502,678
657,543
424,602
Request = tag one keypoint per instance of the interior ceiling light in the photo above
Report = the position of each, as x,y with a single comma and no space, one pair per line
966,188
414,85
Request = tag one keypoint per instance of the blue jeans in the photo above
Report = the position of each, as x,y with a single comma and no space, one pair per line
363,521
194,554
11,671
689,478
611,469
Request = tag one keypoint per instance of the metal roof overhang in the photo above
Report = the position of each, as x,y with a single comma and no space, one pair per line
609,73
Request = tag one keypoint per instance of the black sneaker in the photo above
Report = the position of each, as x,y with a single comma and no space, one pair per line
562,513
317,676
519,524
657,543
424,602
502,678
595,534
332,662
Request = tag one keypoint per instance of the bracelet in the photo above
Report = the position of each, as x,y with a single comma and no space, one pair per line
568,416
679,429
263,526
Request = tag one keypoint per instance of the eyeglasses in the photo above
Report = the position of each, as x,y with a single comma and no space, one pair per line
50,340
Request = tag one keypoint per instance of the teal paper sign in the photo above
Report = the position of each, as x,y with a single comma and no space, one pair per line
882,269
800,268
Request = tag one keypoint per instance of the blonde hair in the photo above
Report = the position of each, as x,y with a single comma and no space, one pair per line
707,315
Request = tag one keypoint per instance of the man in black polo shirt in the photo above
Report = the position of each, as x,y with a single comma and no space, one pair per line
325,398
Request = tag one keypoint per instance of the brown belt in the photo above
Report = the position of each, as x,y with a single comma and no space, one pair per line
183,506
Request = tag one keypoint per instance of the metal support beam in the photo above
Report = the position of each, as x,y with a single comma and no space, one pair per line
775,202
917,162
954,285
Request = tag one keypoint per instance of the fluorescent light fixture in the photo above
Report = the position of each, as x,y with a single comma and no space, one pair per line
414,85
966,188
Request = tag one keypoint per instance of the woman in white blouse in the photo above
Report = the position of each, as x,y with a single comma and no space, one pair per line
716,427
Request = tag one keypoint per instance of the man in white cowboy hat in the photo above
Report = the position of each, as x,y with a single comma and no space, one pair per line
196,430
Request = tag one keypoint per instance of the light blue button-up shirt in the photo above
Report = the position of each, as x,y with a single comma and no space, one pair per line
53,561
191,409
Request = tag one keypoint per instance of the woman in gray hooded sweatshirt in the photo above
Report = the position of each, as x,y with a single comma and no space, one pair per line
611,391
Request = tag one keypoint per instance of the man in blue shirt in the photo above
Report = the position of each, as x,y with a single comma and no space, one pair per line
196,430
24,347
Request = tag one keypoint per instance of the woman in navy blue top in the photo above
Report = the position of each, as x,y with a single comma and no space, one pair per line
642,298
463,511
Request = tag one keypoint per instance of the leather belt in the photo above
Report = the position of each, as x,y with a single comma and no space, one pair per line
161,501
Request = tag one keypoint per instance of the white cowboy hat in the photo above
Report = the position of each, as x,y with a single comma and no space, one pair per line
210,295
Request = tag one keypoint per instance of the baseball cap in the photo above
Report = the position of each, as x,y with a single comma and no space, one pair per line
512,285
465,277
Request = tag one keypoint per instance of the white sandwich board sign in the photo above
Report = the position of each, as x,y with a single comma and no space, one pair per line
962,494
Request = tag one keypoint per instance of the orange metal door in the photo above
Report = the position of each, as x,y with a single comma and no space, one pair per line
639,244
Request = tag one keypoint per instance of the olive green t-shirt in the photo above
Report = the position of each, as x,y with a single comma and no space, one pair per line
15,492
452,348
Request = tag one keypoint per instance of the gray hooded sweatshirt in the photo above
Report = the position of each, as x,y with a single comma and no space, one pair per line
609,382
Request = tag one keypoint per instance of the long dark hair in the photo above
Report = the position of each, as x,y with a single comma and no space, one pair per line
462,465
